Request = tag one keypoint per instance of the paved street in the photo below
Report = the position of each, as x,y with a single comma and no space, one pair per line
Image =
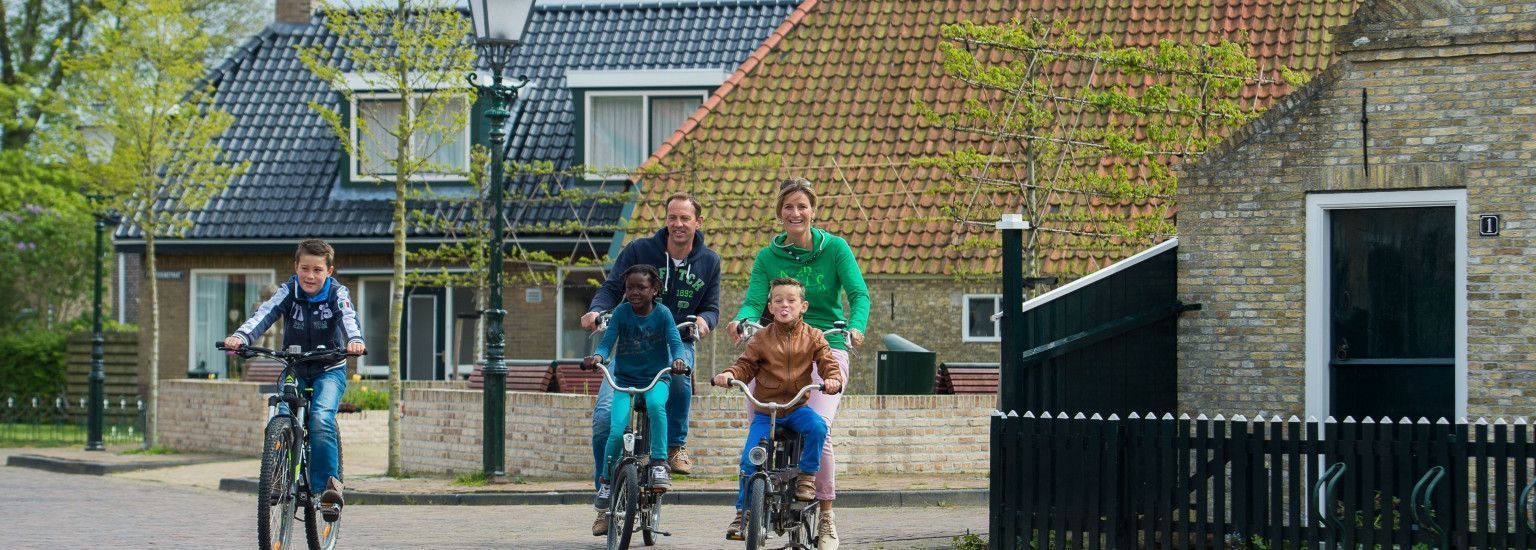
47,510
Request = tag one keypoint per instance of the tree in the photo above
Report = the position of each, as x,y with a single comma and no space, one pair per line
419,52
143,78
45,231
40,34
1089,153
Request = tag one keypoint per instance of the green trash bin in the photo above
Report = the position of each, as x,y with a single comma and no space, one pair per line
904,368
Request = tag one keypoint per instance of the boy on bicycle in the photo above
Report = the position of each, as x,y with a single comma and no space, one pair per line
780,358
642,339
317,311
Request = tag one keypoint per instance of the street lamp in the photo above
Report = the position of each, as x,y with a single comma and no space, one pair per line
96,409
499,26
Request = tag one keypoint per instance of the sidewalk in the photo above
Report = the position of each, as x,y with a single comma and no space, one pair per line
366,483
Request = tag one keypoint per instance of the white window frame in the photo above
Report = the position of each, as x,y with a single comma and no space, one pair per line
451,317
193,344
359,305
354,161
965,318
1319,282
645,122
561,274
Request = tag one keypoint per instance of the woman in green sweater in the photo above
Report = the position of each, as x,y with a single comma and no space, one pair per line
824,263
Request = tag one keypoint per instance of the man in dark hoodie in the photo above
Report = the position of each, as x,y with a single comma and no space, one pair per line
690,285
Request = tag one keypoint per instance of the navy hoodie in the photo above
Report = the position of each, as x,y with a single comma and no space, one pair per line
693,288
325,319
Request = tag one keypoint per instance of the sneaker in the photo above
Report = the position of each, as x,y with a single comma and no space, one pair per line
660,480
733,531
604,494
827,530
600,525
805,487
679,460
331,501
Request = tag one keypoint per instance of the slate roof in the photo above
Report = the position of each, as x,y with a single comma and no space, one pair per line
827,97
291,189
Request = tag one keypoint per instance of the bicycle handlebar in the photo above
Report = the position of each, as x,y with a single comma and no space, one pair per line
773,405
288,356
608,377
690,322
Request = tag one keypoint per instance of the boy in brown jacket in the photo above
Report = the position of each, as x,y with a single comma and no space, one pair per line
779,358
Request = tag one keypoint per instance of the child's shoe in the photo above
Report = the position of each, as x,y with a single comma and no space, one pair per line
805,487
661,481
733,531
604,494
331,501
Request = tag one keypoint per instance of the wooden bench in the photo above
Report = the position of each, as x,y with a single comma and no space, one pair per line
263,370
530,375
571,379
966,378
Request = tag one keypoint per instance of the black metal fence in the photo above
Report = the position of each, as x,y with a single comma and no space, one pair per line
1161,482
47,421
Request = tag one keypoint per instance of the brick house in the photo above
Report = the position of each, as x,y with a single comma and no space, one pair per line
827,100
627,72
1364,248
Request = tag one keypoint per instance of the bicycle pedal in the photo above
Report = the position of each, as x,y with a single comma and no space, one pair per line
330,512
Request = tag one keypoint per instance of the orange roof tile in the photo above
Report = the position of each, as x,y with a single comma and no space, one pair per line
828,96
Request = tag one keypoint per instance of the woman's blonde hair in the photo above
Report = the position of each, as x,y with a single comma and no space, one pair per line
796,185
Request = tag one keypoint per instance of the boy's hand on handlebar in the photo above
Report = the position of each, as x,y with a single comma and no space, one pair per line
832,386
590,362
679,367
356,348
723,380
233,343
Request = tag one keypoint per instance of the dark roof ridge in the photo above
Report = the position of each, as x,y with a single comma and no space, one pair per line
597,5
1286,106
231,64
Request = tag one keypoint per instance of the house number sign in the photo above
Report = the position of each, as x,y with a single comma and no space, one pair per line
1488,225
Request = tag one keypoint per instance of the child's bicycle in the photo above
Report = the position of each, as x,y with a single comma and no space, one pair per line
770,497
284,484
633,494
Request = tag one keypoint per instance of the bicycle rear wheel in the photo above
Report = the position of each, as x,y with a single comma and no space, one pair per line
322,534
624,507
754,526
276,494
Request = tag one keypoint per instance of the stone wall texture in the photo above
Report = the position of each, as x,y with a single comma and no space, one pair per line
229,417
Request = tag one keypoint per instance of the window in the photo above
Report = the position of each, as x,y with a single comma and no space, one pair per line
466,329
576,293
221,301
979,326
624,127
373,314
447,154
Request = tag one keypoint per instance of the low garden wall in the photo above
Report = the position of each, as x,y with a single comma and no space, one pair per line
220,416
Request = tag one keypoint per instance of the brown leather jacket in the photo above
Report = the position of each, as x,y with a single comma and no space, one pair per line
780,358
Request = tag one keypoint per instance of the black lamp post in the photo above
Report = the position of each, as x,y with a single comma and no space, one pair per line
499,26
105,219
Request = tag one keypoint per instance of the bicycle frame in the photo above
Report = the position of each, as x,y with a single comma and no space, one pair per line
771,468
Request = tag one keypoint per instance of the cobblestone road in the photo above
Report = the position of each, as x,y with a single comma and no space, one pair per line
46,510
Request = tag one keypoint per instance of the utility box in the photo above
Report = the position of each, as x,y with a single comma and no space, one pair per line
904,368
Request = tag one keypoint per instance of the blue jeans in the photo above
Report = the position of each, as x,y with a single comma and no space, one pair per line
323,443
803,421
656,413
678,404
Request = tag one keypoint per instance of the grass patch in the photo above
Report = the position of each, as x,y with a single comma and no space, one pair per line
472,479
156,450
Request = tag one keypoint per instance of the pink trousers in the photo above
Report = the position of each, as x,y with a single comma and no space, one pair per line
826,406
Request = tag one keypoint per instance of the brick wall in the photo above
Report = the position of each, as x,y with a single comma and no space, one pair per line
549,435
229,417
1451,106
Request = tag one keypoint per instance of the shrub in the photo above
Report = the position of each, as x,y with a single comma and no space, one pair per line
364,398
32,363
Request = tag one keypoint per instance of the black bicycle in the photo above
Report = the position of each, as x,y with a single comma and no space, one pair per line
634,497
770,498
284,488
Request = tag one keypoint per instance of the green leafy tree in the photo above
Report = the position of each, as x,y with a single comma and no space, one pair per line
143,78
45,243
419,52
1089,153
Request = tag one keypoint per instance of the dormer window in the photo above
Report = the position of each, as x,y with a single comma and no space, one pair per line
447,153
626,115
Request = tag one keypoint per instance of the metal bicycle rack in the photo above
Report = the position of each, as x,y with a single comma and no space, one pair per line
1423,507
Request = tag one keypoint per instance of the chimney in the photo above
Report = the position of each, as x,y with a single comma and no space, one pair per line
295,11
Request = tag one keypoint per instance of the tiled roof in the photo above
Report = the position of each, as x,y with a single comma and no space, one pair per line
829,97
291,189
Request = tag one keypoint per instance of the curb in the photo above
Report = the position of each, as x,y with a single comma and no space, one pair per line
92,468
850,499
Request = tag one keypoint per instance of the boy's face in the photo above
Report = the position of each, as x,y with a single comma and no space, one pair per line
785,303
312,272
640,292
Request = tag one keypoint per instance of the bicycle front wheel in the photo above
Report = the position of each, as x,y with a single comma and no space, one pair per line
754,526
322,534
276,492
652,523
624,506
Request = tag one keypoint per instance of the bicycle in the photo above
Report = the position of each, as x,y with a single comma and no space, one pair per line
633,494
770,497
284,484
